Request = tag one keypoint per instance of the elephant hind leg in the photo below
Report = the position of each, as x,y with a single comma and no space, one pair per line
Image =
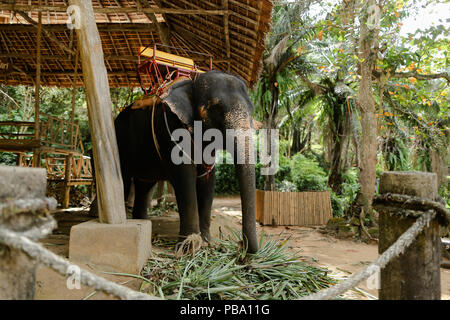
141,194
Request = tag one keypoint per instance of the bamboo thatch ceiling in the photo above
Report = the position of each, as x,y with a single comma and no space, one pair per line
232,31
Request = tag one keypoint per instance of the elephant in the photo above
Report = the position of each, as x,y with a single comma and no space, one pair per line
218,100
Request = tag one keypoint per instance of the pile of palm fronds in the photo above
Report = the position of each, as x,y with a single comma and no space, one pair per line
224,270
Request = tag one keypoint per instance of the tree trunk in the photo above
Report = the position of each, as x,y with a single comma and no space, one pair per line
269,182
270,122
439,166
368,145
338,142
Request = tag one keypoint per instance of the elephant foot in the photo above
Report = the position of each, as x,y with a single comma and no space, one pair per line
206,236
140,214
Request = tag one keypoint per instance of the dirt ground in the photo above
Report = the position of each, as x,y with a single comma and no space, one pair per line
313,245
342,257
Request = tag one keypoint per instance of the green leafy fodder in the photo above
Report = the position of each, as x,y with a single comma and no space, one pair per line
224,270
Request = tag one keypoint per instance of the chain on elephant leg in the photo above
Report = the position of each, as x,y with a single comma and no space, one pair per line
190,245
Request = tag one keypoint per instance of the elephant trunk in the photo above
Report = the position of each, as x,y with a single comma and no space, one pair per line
245,173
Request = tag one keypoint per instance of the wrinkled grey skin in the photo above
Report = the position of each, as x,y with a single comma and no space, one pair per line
220,101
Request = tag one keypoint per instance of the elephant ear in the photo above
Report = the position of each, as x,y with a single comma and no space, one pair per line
179,98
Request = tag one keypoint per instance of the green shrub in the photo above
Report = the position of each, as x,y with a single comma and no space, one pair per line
284,169
285,186
338,204
226,182
341,203
8,158
307,175
260,179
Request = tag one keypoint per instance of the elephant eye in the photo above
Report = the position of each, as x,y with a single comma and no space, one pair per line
213,102
203,112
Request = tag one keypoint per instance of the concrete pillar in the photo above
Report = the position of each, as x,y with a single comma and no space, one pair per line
17,270
414,275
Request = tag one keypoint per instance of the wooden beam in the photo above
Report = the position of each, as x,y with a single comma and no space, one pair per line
74,94
230,12
244,6
163,31
106,10
107,57
72,73
67,174
102,27
36,151
107,166
48,34
64,57
166,20
226,31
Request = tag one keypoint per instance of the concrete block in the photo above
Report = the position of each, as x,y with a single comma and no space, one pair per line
22,183
419,184
114,247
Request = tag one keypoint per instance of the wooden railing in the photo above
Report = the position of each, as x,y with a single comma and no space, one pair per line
59,133
79,165
15,130
54,133
17,136
59,146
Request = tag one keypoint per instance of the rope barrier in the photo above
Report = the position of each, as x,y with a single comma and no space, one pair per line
25,205
397,248
61,265
22,241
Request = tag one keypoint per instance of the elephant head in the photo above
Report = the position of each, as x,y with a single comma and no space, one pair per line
220,100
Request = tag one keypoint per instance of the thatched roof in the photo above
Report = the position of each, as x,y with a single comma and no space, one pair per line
232,31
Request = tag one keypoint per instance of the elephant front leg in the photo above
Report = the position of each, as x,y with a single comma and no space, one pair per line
141,194
205,196
183,181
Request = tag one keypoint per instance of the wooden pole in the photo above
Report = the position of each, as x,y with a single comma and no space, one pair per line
74,95
226,31
36,151
414,275
160,191
67,175
110,194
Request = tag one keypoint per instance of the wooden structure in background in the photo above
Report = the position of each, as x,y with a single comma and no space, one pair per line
293,208
40,48
58,148
232,31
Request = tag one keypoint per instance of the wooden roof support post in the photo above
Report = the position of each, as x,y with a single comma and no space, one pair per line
74,95
36,151
226,31
163,30
107,167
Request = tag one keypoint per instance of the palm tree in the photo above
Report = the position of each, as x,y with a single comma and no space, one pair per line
278,75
